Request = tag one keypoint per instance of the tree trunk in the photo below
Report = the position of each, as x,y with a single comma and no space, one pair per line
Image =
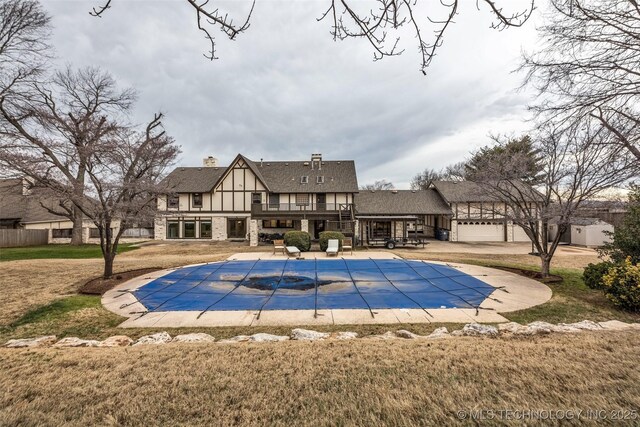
546,266
76,235
108,265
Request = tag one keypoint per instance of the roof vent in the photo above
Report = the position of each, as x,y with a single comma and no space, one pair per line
413,191
286,164
306,163
304,180
394,191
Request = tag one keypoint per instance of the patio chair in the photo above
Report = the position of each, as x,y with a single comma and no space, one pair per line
278,245
333,246
347,243
292,251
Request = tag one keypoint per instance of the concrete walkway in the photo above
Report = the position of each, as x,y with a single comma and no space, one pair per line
514,292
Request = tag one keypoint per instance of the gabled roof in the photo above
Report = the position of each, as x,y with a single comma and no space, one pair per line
15,205
468,191
285,176
193,180
401,202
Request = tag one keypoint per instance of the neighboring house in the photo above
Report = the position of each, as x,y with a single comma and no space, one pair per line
400,214
589,232
609,211
24,207
248,197
476,215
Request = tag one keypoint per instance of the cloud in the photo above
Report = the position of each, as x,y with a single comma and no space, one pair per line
285,89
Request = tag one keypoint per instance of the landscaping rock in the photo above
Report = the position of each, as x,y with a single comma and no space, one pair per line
45,341
308,335
456,333
439,333
267,338
402,333
585,325
511,327
478,330
190,338
386,336
159,338
76,342
535,328
346,335
615,325
116,341
236,339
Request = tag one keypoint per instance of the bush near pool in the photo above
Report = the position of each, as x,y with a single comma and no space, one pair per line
622,285
593,274
325,236
299,239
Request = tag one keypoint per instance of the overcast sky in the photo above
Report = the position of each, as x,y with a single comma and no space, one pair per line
285,89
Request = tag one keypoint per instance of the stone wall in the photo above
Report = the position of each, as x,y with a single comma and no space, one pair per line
453,234
219,228
304,225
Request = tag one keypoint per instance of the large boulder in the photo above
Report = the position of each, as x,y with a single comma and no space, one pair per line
267,338
535,328
308,335
403,333
44,341
191,338
346,335
439,333
76,342
479,330
116,341
159,338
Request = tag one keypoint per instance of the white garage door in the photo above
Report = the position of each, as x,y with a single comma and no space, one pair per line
480,231
519,235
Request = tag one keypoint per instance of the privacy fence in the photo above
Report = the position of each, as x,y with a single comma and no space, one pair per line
10,238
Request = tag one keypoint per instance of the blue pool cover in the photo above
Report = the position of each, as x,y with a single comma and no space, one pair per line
313,285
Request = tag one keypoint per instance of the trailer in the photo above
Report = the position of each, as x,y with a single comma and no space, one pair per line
391,243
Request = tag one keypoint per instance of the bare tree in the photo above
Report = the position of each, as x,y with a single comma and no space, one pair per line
588,69
124,173
577,165
49,133
379,22
24,42
381,184
454,172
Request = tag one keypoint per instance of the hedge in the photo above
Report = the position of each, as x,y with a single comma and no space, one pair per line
593,273
622,285
299,239
325,236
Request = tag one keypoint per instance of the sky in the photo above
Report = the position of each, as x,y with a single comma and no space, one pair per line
284,89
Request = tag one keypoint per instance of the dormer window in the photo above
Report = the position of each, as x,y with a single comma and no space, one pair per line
304,180
173,202
197,200
320,180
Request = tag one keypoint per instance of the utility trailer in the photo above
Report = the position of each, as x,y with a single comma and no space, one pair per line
391,243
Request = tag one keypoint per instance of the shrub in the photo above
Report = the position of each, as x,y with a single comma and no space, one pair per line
622,285
593,274
325,236
625,236
299,239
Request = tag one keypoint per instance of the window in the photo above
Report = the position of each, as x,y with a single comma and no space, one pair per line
197,200
302,199
94,233
320,180
61,233
205,229
256,198
189,230
173,230
173,202
277,223
304,180
274,200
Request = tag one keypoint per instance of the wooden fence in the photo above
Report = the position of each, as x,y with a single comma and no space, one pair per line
10,238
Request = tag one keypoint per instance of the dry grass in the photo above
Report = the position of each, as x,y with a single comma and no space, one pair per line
325,383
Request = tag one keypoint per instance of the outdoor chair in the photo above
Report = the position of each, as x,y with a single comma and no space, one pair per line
333,246
292,251
347,243
278,245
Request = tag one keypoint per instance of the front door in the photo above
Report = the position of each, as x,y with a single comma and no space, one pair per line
236,228
321,202
319,228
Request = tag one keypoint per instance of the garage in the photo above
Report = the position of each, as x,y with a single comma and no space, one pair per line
480,231
519,235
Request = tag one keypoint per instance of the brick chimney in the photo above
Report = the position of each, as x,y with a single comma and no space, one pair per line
210,162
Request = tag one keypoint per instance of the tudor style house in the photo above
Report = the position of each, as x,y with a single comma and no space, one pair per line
248,197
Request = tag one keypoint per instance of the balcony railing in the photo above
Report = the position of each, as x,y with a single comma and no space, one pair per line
294,207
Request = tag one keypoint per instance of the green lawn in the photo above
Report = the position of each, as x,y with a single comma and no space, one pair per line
58,251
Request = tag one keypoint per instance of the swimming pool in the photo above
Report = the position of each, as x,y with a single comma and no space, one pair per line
313,285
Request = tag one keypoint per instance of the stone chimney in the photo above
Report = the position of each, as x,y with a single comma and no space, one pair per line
316,158
210,162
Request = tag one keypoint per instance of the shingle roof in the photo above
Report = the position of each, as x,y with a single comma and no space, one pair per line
193,180
285,177
401,202
26,208
468,191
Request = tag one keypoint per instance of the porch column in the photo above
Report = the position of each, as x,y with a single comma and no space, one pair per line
304,225
253,232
